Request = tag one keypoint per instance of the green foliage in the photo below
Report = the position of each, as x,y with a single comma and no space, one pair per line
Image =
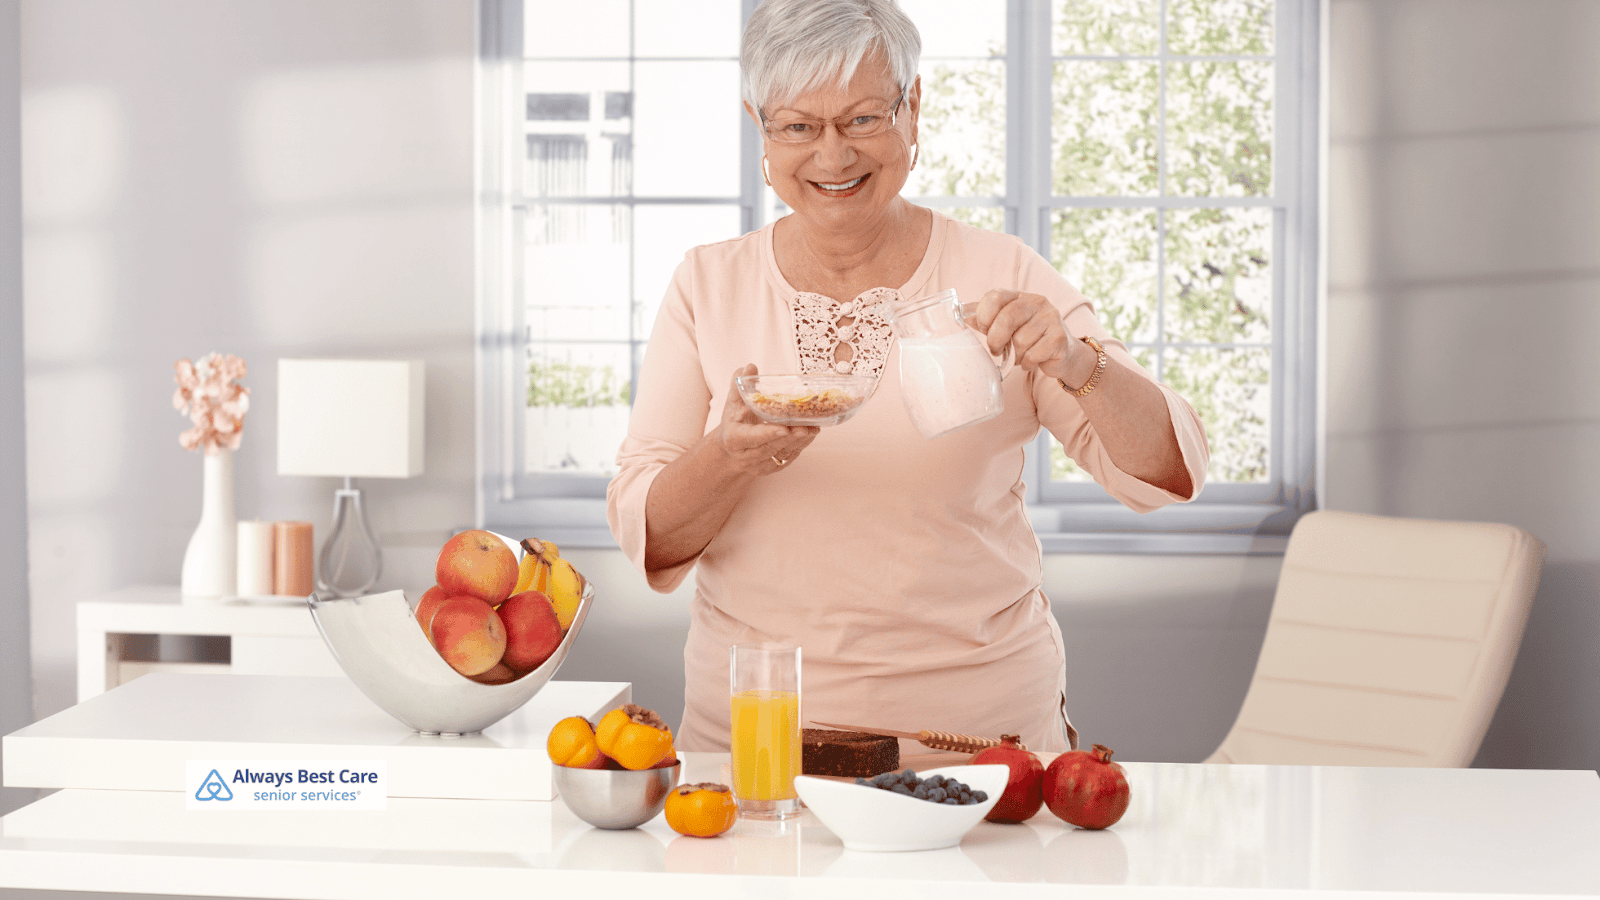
575,385
1188,289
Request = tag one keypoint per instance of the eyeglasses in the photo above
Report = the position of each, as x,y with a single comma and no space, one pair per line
803,130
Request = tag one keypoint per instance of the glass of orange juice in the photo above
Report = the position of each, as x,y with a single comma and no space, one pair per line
766,729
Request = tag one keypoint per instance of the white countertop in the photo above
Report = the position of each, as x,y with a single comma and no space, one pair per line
138,736
459,822
1192,829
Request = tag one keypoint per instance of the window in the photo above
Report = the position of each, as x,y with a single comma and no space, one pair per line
1163,154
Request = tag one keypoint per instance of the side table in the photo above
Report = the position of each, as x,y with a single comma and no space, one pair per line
266,636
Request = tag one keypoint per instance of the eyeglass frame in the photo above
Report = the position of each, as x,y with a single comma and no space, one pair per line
894,118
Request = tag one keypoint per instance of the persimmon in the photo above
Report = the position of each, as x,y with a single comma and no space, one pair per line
633,736
701,810
572,744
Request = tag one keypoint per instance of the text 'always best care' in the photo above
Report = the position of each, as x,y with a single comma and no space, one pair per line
283,784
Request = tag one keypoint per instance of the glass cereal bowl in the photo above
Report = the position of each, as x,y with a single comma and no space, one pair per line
822,399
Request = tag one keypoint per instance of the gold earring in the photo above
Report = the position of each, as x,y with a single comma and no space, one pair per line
764,172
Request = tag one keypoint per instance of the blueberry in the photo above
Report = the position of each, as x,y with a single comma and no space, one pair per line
979,796
901,789
951,801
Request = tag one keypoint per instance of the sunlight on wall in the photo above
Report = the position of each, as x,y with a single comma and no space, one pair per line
337,267
70,266
330,134
72,152
71,462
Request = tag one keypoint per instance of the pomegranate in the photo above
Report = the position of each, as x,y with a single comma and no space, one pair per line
1085,788
1024,793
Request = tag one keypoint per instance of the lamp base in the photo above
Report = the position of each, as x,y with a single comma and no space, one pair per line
350,561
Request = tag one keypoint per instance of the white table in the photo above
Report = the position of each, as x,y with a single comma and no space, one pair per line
1192,830
267,635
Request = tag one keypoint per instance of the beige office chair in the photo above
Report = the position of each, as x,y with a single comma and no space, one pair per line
1389,642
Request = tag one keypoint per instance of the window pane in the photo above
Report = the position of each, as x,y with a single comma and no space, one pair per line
577,407
1105,27
662,234
989,218
576,265
1104,129
962,131
686,129
1230,390
1219,278
1217,27
1109,255
686,28
577,128
958,27
564,29
1219,129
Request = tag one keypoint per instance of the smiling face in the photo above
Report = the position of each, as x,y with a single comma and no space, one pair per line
838,183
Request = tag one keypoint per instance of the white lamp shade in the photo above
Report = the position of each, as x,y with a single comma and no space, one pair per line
357,418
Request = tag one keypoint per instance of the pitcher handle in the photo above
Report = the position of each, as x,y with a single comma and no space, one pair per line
965,312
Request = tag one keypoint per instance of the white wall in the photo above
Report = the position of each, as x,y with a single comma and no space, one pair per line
16,705
269,179
287,177
1464,305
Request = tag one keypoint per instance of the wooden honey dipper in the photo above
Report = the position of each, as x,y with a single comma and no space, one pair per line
937,740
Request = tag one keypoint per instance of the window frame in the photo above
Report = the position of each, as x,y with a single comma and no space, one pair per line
1227,518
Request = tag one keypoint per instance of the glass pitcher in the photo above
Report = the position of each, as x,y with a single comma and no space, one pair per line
947,376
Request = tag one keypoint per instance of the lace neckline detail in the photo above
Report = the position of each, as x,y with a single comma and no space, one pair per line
849,337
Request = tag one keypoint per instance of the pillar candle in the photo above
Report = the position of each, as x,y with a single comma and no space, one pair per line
293,561
255,569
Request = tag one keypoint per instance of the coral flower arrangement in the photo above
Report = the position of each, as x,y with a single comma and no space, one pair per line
209,393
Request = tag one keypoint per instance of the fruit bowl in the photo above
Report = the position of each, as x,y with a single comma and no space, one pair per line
869,818
616,798
378,643
822,399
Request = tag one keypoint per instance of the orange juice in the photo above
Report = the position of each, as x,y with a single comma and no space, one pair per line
766,744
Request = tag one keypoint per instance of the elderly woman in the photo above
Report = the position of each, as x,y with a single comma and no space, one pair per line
905,568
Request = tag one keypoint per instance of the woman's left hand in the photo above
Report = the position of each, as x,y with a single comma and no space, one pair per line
1034,329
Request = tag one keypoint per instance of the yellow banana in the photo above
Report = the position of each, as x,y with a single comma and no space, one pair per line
566,589
533,573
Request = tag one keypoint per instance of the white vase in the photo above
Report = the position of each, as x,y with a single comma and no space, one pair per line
209,571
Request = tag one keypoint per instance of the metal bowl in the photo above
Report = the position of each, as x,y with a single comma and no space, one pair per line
616,798
378,643
821,399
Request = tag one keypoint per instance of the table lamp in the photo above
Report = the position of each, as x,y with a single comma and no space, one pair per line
350,418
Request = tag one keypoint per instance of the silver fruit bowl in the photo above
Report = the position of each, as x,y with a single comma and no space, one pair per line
379,644
616,798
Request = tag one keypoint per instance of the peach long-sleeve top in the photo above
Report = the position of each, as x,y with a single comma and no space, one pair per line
905,568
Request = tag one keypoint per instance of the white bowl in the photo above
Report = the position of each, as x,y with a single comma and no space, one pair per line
870,818
377,642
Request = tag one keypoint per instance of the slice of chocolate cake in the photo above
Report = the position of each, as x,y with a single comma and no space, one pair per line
850,754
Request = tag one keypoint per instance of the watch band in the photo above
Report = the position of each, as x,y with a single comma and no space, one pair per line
1094,379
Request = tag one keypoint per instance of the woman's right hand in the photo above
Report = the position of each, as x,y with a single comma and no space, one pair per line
755,446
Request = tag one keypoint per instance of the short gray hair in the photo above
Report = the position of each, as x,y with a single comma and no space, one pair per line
794,46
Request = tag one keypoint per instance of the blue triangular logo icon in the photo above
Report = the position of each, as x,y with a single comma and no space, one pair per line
213,788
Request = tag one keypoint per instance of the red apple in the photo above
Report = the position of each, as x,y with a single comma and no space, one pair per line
469,635
427,606
533,630
500,674
479,564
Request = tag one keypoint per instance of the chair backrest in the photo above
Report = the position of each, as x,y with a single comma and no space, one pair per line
1389,643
